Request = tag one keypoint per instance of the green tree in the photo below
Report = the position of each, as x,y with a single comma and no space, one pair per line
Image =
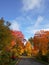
5,40
5,34
31,41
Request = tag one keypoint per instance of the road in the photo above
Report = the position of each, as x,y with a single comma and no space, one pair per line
29,61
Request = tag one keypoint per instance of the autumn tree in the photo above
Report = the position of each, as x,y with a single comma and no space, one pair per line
5,34
41,41
5,40
28,48
31,41
17,43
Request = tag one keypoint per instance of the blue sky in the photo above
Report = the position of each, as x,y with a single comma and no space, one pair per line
27,16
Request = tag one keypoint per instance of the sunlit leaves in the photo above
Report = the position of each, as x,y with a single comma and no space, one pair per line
41,41
28,48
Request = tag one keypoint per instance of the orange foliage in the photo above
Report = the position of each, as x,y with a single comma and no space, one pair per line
18,38
35,52
28,44
13,43
28,48
17,34
41,40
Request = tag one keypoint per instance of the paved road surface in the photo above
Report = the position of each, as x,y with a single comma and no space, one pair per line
29,61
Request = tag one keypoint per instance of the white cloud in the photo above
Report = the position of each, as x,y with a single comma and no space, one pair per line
31,4
33,29
15,25
47,29
38,21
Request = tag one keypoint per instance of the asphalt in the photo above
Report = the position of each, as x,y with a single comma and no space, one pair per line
29,61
